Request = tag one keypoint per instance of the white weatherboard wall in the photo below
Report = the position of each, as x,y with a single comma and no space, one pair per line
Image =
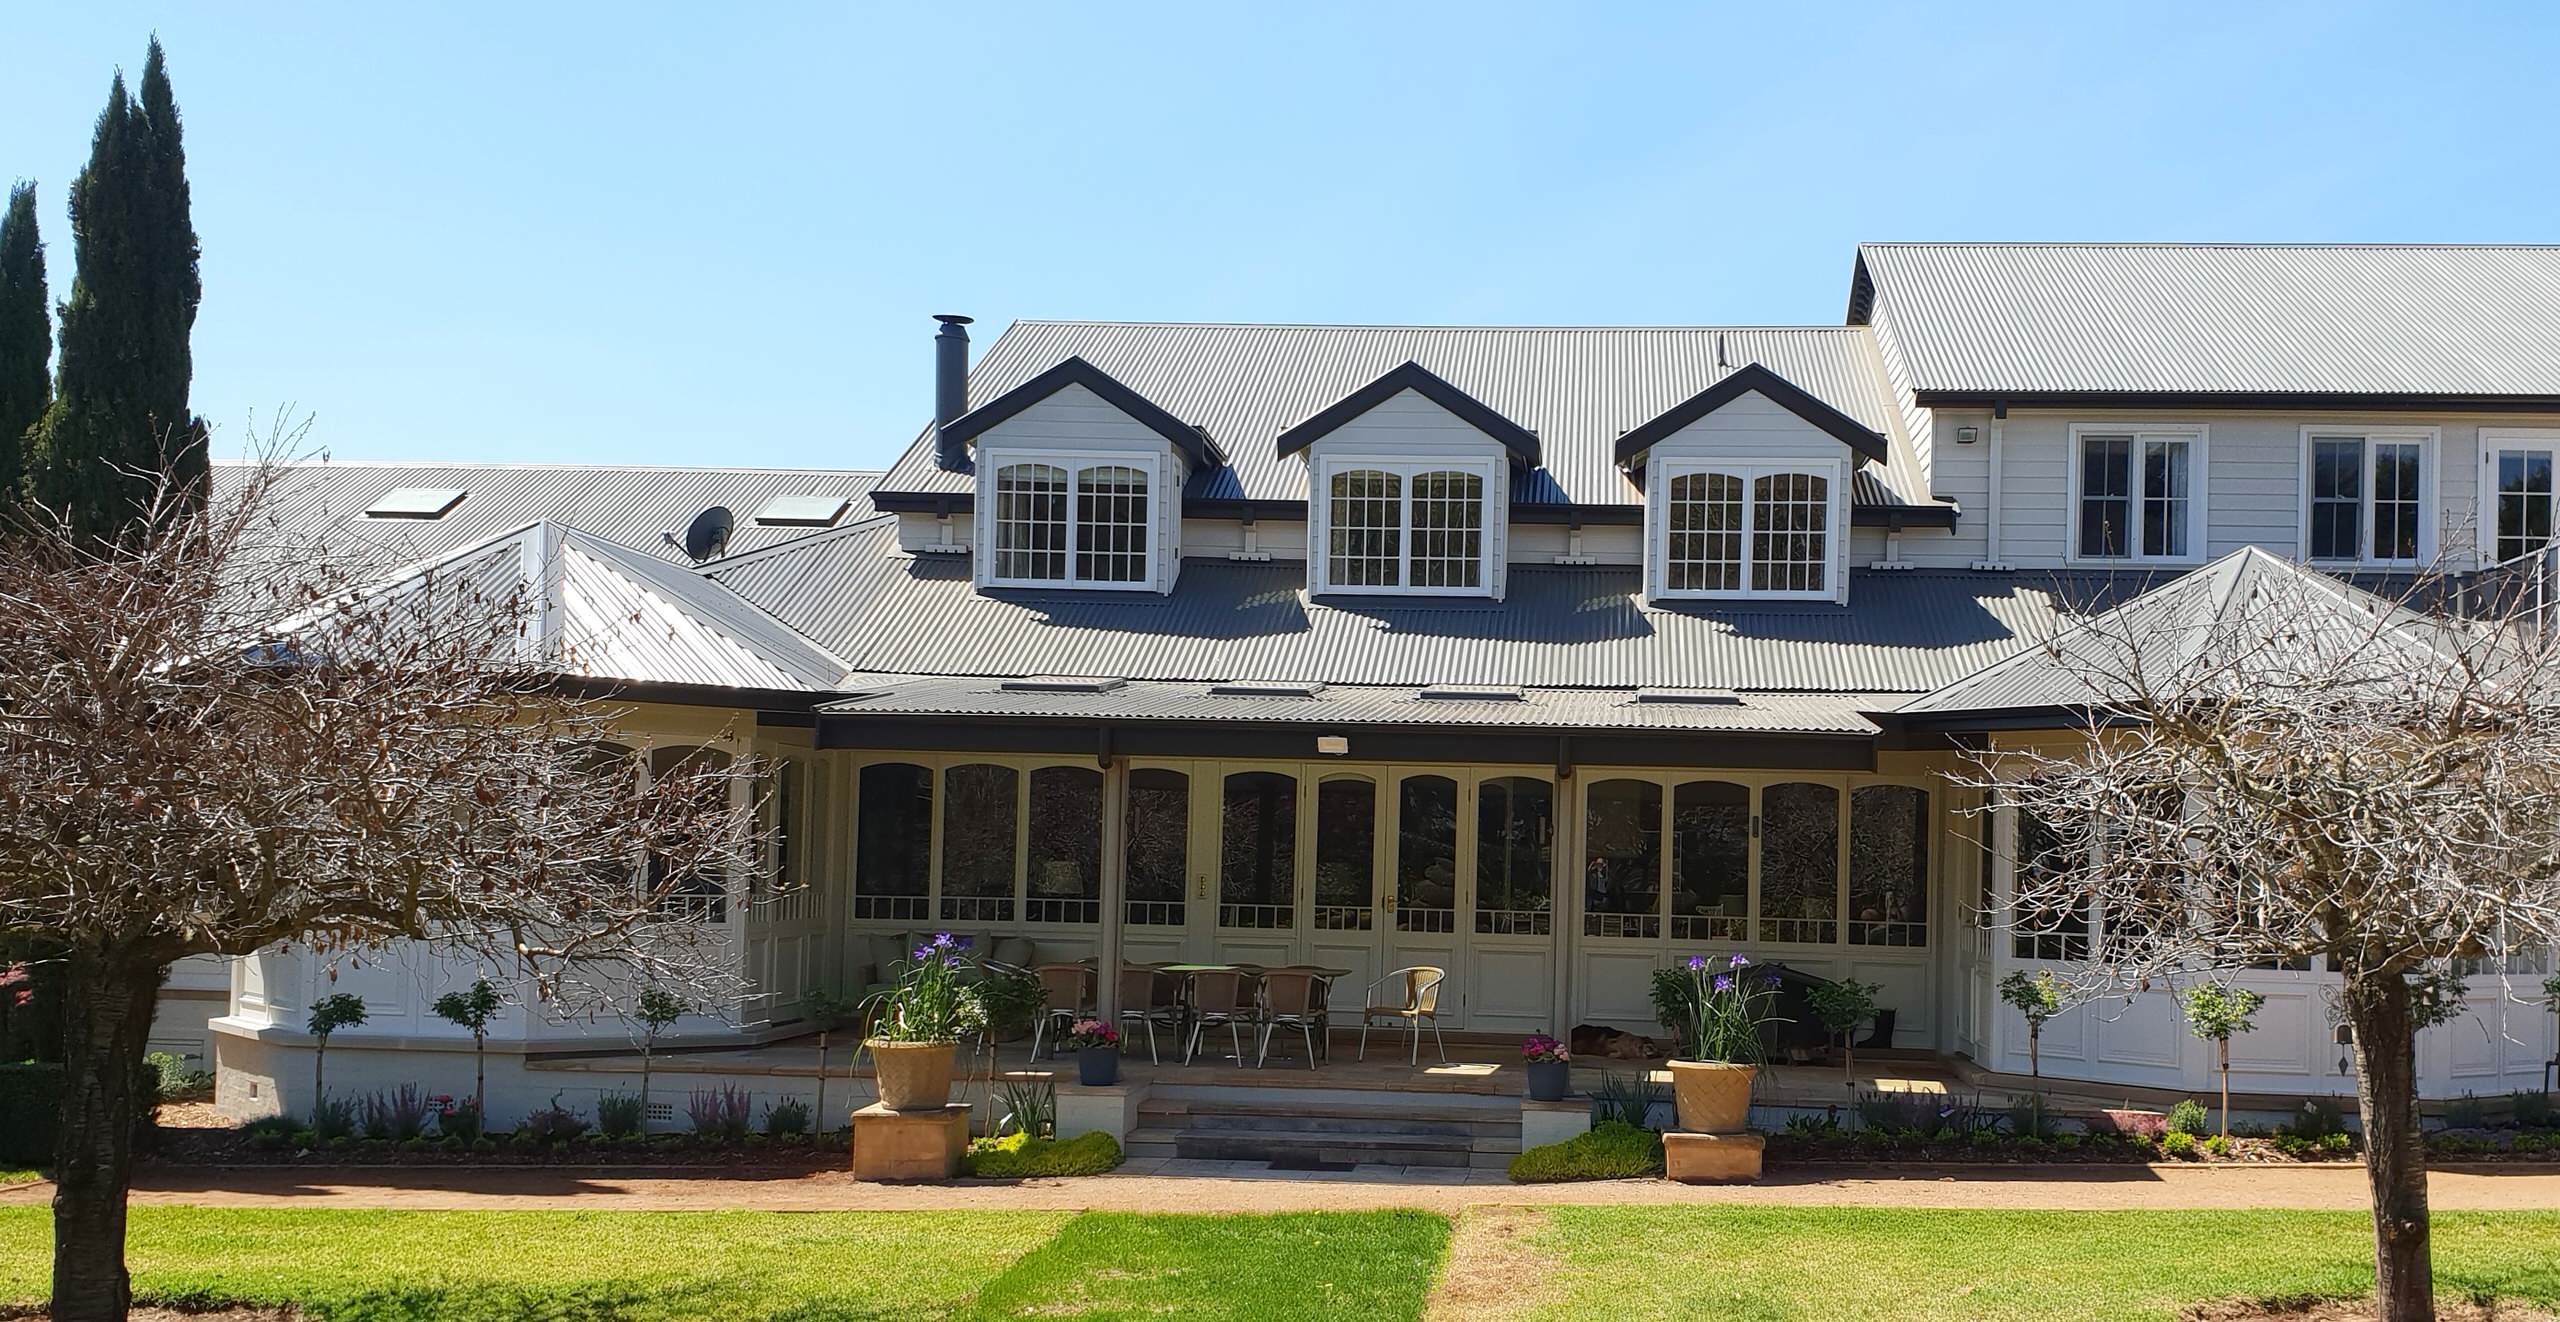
1405,426
1077,421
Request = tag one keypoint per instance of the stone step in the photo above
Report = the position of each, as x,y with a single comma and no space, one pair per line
1305,1098
1323,1145
1329,1121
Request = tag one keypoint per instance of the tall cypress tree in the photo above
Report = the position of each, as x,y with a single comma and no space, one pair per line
119,411
26,338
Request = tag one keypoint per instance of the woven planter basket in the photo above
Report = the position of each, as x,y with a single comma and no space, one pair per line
913,1076
1713,1097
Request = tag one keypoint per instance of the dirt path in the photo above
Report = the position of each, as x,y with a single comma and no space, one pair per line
2075,1188
1489,1256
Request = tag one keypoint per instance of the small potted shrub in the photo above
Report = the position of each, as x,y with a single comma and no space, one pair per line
1550,1067
918,1024
1726,1003
1097,1048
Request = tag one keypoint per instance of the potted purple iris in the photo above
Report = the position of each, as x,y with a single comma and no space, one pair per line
918,1025
1550,1067
1726,1001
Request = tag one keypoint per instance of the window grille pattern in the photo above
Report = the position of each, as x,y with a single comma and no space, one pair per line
1790,532
2396,512
1031,522
1704,550
1622,877
2106,495
2524,499
1111,525
1427,854
1888,866
1258,851
1710,860
1159,819
893,830
2044,854
1799,862
697,896
1346,853
1448,531
1515,856
2337,497
2165,481
978,842
1365,529
1063,880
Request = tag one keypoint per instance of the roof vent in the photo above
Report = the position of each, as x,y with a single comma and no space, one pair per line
1693,697
416,503
1471,693
1063,684
1266,688
802,511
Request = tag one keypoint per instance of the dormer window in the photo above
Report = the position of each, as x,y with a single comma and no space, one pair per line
1411,525
1746,530
1070,520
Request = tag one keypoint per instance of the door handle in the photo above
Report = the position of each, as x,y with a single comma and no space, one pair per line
1200,886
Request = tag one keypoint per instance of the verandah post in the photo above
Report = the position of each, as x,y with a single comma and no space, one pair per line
1115,886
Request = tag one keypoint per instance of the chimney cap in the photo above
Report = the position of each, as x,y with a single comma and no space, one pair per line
952,319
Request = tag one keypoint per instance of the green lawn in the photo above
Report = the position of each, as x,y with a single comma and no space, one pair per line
1750,1264
10,1175
1858,1264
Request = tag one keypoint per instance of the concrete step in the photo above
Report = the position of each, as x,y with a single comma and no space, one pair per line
1329,1120
1450,1151
1304,1098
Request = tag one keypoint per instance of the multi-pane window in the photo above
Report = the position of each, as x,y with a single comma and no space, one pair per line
1710,860
2521,495
2365,502
1888,866
2135,494
1749,530
1622,877
1062,856
1258,851
1418,526
1799,862
1427,854
1072,523
893,825
702,895
1346,853
1159,844
2051,924
1515,848
978,842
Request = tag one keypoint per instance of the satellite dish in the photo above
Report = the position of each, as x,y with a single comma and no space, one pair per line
708,534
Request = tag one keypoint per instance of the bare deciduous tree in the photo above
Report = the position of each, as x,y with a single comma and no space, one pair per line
2277,767
213,740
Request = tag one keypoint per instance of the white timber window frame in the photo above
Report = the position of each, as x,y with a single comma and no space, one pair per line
1664,543
2530,443
2138,497
1407,473
1088,536
2370,498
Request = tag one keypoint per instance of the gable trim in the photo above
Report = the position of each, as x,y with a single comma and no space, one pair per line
1413,376
1752,376
1075,371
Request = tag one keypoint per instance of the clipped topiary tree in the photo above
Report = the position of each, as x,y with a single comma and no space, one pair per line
2038,998
657,1009
1842,1005
329,1014
473,1008
2215,1013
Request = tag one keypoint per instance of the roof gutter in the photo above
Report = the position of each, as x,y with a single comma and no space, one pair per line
2273,401
947,503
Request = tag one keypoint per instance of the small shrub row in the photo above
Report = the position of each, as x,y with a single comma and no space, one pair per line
1612,1150
1019,1156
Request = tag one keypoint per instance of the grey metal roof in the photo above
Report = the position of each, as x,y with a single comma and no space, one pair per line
1577,387
1560,709
632,506
2218,318
2247,620
884,611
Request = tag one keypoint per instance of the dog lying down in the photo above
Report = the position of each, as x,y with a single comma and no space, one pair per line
1591,1041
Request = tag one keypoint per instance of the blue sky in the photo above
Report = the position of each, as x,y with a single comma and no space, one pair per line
695,234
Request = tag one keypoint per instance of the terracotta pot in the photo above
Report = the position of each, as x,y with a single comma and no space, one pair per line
1713,1097
913,1076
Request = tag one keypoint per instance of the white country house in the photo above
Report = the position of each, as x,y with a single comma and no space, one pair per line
1541,655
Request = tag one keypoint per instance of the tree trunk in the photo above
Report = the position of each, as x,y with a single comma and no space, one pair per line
2225,1062
2394,1157
645,1049
319,1078
106,1031
2035,1052
818,1118
479,1069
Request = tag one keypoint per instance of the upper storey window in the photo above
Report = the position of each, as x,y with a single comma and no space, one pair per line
1080,521
2520,491
2137,493
2365,495
1412,526
1747,530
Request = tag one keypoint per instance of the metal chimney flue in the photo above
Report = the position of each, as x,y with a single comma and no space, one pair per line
950,388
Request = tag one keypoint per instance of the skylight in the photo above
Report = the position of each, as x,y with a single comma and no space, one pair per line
1471,693
1063,684
1266,688
802,511
1710,697
416,503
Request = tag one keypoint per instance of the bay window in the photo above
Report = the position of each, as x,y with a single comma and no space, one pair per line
2364,495
1391,525
2137,493
1745,529
1069,520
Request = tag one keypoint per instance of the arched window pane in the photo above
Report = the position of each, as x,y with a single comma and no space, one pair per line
1427,854
1258,851
1346,853
1448,531
1515,856
1063,883
1111,524
699,895
893,831
1889,866
1790,537
1702,549
977,843
1159,845
1031,522
1364,522
1710,861
1622,877
1799,863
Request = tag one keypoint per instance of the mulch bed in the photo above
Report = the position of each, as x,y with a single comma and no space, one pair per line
2352,1310
1862,1148
216,1147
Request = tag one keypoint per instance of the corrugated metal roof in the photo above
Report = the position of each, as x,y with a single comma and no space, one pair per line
2247,620
634,507
1559,626
1566,709
1577,387
2241,318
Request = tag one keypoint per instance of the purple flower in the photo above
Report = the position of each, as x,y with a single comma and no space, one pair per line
943,941
1697,963
1774,979
1741,960
1724,982
924,952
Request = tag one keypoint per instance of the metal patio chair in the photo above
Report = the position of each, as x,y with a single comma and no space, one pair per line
1067,991
1416,993
1291,998
1151,998
1231,997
